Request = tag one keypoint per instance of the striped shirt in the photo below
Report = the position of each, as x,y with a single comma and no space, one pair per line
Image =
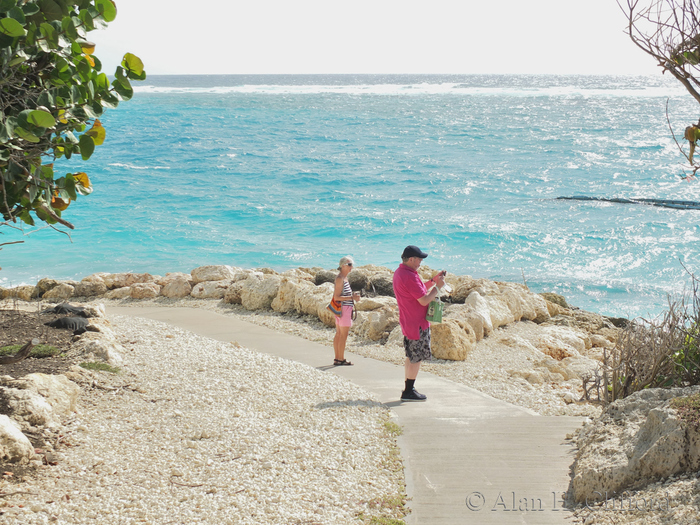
347,291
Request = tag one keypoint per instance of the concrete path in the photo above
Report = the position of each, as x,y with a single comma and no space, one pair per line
469,458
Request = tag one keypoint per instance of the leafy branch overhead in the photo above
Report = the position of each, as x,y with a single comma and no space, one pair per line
52,94
669,31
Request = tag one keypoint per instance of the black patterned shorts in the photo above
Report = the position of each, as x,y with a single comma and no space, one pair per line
418,350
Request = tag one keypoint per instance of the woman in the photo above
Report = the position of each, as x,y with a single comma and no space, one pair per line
346,297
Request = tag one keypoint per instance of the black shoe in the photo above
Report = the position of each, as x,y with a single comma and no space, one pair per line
413,395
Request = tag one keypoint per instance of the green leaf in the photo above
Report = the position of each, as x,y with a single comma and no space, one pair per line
70,186
50,34
124,93
6,5
26,135
46,99
41,119
33,192
75,94
107,9
109,101
11,27
87,146
17,60
102,82
51,10
17,14
28,8
26,217
133,64
68,27
46,172
87,20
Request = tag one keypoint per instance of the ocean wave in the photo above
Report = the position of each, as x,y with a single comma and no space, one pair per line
133,167
446,89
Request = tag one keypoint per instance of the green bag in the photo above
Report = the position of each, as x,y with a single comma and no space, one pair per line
434,314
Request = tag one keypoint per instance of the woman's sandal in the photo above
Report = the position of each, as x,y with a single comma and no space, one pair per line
343,362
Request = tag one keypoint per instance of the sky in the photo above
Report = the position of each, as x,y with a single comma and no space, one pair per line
375,36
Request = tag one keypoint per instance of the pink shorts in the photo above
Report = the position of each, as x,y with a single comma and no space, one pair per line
346,318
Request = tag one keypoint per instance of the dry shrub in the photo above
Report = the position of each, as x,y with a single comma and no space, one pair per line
652,353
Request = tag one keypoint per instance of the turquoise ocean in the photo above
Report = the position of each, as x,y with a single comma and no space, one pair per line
297,171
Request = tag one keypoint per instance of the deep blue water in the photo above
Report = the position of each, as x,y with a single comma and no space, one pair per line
288,171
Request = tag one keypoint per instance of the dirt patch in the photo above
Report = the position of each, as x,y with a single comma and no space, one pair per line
18,327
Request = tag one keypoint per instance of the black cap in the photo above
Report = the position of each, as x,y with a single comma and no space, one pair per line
413,251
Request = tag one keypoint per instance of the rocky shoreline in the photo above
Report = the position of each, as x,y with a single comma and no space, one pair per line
525,348
528,349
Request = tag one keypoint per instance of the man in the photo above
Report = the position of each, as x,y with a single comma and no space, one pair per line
413,298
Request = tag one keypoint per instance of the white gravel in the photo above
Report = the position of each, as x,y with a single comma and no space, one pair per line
200,431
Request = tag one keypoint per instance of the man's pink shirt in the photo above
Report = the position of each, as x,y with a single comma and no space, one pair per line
408,288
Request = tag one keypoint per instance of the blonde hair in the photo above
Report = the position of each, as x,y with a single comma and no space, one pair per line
345,260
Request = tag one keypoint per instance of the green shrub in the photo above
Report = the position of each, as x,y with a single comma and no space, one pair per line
688,409
100,367
38,352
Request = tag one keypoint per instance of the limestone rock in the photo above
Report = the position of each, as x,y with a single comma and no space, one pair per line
599,341
580,366
119,293
145,291
233,293
103,350
395,337
464,285
555,298
94,310
23,293
481,309
258,294
560,342
524,304
499,311
452,339
377,324
285,299
26,406
43,286
121,280
381,284
309,300
210,289
300,274
325,276
90,286
15,447
358,279
58,391
60,292
173,276
176,287
367,304
214,273
637,440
